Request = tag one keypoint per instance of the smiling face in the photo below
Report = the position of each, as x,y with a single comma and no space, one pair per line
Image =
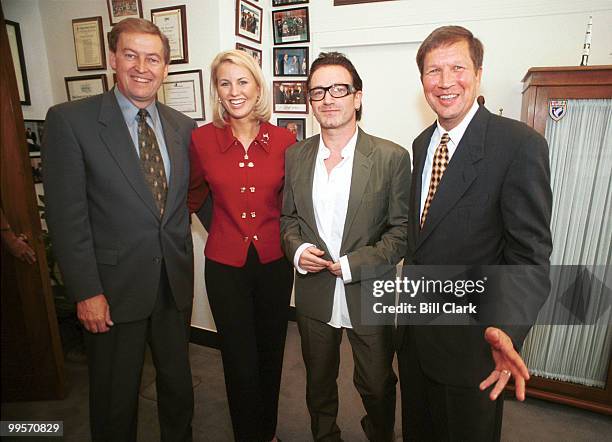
330,112
450,82
237,90
140,67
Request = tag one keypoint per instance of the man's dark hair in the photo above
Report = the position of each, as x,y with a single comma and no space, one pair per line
446,36
141,26
337,59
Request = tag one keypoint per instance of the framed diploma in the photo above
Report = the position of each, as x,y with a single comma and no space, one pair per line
89,43
85,86
172,22
183,92
120,9
16,46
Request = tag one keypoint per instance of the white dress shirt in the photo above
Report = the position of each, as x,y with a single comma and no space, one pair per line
455,135
330,195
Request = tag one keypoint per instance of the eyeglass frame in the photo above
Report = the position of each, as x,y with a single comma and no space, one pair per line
350,89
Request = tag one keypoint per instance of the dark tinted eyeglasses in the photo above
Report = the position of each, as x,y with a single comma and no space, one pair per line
335,90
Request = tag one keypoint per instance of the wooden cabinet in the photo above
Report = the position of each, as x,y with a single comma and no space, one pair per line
542,84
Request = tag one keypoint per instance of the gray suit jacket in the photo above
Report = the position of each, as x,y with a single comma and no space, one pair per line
107,233
375,231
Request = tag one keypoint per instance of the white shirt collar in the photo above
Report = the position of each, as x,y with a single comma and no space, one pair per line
347,151
457,132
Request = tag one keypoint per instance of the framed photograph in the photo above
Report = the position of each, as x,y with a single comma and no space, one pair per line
183,91
120,9
290,26
290,62
297,126
290,97
288,2
34,133
36,163
255,53
248,20
172,22
89,43
85,86
14,38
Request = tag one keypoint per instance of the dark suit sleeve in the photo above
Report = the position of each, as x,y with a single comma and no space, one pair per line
526,205
391,247
291,238
67,212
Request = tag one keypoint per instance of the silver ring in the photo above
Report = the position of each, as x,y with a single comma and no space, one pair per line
506,372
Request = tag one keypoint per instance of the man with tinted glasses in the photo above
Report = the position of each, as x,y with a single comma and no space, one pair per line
345,207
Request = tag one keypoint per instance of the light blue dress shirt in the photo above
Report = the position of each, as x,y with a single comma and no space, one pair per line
130,115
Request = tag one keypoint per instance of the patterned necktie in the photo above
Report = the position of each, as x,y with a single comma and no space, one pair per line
151,161
438,167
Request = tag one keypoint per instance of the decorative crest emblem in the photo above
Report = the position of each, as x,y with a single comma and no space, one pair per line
265,137
557,109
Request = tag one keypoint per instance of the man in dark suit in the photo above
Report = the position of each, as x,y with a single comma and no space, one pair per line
345,208
116,179
480,196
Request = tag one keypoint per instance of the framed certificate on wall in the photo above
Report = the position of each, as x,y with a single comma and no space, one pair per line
85,86
173,23
183,92
89,43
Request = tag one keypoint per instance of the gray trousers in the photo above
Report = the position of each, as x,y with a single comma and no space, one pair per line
373,377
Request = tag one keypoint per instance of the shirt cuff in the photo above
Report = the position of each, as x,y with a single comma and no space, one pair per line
296,257
346,269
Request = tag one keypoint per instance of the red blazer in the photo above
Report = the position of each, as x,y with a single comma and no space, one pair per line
246,190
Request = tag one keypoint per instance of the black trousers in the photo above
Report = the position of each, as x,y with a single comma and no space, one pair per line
432,411
115,363
373,377
250,305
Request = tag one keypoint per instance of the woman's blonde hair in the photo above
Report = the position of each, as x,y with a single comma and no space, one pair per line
262,110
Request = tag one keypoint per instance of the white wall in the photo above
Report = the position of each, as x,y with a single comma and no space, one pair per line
27,14
517,35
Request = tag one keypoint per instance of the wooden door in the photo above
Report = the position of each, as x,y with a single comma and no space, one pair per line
32,361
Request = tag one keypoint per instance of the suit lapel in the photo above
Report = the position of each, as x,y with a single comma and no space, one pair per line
420,154
459,174
173,143
116,136
362,165
305,179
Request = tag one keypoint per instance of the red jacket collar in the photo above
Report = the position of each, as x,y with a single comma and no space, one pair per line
226,138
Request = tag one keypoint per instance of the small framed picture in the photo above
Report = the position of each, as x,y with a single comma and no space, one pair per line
255,53
172,22
290,62
290,26
14,38
34,133
248,20
85,86
297,126
120,9
287,2
183,92
290,97
89,43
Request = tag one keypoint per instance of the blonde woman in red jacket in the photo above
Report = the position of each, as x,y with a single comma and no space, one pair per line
240,160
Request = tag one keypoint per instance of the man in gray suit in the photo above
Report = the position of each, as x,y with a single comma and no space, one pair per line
345,207
116,179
